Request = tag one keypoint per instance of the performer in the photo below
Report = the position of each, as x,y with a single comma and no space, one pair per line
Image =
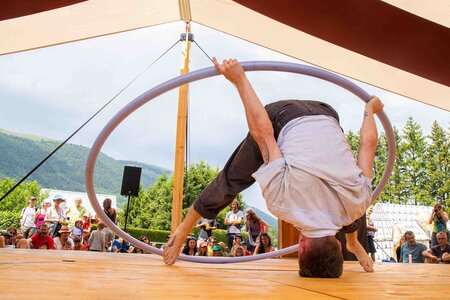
298,154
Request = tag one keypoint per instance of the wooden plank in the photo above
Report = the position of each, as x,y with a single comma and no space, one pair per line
177,198
136,276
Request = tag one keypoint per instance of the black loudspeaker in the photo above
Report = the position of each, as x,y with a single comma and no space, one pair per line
130,181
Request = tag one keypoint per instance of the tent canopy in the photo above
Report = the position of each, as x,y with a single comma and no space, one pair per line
400,46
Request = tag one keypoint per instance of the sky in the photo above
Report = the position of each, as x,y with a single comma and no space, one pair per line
51,91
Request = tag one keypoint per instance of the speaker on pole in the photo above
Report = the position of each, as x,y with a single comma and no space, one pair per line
131,180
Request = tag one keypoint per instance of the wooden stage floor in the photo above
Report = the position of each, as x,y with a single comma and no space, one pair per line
31,274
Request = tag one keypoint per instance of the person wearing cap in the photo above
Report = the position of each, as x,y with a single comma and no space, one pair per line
64,237
76,211
55,215
217,250
87,222
202,249
27,218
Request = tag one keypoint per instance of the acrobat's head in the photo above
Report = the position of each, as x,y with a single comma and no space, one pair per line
320,257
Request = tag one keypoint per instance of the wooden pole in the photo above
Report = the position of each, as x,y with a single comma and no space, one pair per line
177,200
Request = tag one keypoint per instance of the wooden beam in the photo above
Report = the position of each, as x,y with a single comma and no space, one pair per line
177,199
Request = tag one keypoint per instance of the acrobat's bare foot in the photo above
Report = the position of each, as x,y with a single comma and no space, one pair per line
173,247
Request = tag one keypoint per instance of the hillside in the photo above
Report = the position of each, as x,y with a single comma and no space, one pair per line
64,170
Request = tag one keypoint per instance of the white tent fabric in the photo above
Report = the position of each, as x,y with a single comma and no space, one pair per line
100,17
393,220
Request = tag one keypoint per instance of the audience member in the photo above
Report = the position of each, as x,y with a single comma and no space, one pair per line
41,214
2,241
55,215
254,226
411,247
13,236
202,250
439,219
236,242
233,220
87,222
96,241
441,252
6,239
217,250
77,230
265,244
78,245
237,251
371,234
66,246
225,249
27,218
211,242
41,239
190,246
398,248
112,215
244,246
75,212
206,227
64,237
122,246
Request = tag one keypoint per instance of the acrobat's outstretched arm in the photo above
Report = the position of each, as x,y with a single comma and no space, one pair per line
258,121
369,136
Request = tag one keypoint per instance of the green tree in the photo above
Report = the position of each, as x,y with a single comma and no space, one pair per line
415,149
438,165
11,206
152,209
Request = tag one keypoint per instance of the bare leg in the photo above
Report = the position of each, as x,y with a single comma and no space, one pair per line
173,247
369,137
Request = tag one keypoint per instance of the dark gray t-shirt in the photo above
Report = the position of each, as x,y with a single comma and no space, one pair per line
231,216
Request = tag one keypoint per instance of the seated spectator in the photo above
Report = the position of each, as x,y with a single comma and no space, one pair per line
13,235
190,246
217,250
67,246
87,222
236,242
77,242
224,248
96,240
264,245
121,246
202,250
63,237
41,239
237,251
85,240
397,249
6,239
412,248
244,247
145,240
77,230
439,253
211,242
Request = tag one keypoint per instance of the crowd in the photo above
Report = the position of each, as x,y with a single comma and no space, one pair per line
51,227
408,250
